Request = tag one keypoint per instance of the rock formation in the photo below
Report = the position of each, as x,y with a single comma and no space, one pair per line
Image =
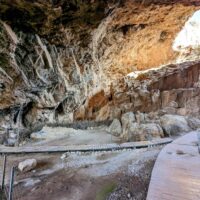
65,61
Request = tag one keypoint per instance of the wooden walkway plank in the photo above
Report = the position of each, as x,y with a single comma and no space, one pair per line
176,173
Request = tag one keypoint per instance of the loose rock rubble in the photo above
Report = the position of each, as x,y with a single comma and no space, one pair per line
142,126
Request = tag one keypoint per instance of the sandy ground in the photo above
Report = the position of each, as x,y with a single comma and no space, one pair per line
69,136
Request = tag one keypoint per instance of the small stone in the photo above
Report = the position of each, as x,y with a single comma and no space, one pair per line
27,165
63,156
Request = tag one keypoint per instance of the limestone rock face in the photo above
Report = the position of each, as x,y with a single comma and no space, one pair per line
27,165
67,61
178,93
115,128
174,124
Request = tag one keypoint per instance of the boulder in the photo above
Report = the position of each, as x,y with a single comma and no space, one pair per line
152,130
127,119
133,132
174,124
144,132
194,123
27,165
115,128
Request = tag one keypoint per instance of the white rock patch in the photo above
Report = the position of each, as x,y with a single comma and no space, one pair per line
189,35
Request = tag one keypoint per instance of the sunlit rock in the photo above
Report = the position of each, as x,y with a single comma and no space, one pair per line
174,124
189,35
27,165
187,42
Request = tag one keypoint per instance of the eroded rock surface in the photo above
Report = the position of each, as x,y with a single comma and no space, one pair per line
68,61
172,89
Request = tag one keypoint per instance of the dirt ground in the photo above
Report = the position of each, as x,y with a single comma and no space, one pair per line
88,176
117,175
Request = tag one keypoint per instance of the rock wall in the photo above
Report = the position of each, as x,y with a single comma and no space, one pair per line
47,78
63,61
172,89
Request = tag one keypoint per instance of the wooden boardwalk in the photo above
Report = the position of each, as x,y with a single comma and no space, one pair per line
176,174
83,148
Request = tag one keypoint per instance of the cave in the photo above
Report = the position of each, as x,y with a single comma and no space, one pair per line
97,97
